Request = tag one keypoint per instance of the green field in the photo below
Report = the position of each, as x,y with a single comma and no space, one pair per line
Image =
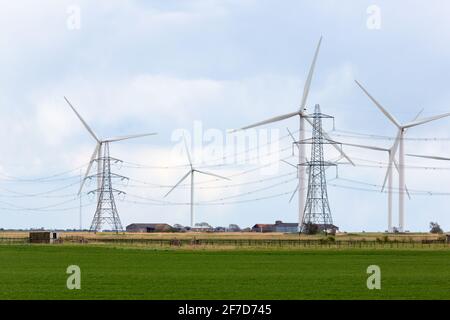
39,272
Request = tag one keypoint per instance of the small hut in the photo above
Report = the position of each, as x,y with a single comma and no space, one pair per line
43,237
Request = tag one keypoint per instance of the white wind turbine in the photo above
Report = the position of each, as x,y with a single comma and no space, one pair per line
388,176
191,173
100,147
399,144
301,113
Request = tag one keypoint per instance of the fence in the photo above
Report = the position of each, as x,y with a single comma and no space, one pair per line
248,243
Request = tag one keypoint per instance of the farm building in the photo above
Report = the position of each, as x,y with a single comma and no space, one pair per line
43,237
279,226
260,227
149,227
284,227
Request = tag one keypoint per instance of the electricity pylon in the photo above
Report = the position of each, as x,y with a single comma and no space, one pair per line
317,208
106,207
106,211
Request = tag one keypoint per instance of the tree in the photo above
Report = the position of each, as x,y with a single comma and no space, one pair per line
435,228
310,228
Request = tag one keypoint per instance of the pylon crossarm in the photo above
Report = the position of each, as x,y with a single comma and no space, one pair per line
115,160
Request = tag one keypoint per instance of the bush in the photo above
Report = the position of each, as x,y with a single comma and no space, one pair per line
435,228
310,228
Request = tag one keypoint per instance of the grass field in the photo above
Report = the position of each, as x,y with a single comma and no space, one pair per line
39,272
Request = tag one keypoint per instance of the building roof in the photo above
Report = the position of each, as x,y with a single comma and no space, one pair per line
148,225
285,224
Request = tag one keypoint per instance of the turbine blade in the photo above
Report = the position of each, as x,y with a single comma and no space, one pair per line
425,120
91,162
309,78
382,109
187,151
388,171
289,164
336,146
178,183
396,165
212,174
293,194
407,192
428,157
82,120
392,160
271,120
418,115
393,150
293,138
133,136
406,188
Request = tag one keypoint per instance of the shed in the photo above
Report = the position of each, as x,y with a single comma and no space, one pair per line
43,237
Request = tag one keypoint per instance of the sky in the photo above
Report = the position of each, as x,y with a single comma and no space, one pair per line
199,68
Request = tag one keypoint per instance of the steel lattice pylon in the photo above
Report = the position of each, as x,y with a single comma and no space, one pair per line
317,208
106,211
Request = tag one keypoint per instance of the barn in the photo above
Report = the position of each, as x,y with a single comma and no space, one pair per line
261,227
149,227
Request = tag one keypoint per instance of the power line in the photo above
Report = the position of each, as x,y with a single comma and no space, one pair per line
220,159
253,191
395,190
43,179
43,208
39,194
231,185
213,204
358,135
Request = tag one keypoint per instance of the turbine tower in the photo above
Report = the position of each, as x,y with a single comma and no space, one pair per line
399,145
106,210
301,113
191,173
317,208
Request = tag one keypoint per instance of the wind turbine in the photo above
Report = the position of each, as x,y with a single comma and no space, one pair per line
191,173
101,150
301,113
388,176
399,144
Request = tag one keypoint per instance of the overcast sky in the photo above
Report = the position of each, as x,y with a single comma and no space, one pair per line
144,66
